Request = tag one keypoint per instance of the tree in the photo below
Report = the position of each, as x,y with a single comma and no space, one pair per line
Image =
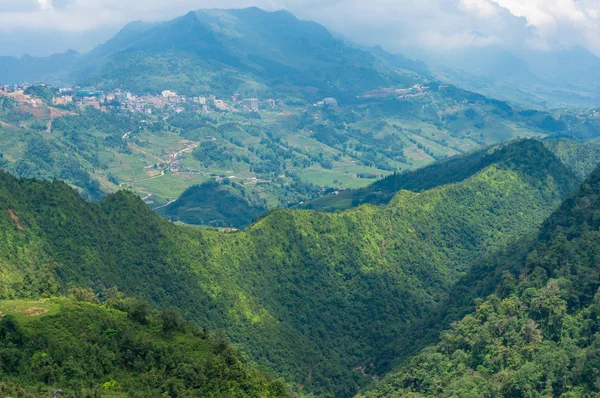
171,321
138,310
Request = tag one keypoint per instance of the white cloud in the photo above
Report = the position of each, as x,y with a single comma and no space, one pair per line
397,24
45,5
560,22
483,8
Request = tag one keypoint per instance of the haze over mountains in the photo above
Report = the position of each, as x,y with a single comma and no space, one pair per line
245,51
542,78
539,79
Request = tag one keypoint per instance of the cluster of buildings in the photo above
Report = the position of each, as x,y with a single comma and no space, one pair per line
167,100
11,88
331,102
166,103
17,92
79,97
417,90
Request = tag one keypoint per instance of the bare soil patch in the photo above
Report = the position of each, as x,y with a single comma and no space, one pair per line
35,311
16,219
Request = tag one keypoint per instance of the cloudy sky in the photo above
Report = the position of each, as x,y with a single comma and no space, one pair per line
42,26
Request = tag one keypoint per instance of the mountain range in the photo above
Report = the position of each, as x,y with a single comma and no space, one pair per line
532,324
246,51
254,52
413,240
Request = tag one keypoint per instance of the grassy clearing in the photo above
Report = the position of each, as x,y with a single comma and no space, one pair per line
29,309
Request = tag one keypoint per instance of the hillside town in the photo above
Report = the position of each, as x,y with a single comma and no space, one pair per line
166,102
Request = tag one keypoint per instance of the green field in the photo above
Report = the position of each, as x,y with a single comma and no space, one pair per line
283,156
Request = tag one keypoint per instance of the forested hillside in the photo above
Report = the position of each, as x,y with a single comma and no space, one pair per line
219,205
534,329
313,296
579,157
78,348
239,203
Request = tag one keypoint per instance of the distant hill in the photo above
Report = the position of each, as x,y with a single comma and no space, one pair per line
581,157
215,204
52,69
312,296
532,79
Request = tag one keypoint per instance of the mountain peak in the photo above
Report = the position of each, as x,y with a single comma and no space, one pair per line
191,15
268,47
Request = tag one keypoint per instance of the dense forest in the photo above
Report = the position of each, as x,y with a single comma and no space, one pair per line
313,296
533,330
77,347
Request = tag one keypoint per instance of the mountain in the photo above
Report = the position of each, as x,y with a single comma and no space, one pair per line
575,65
312,296
78,347
239,51
51,69
273,54
247,51
534,328
497,62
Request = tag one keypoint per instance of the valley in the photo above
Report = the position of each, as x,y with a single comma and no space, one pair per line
282,157
240,203
294,277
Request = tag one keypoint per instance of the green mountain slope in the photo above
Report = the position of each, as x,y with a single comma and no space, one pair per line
577,156
312,296
219,205
581,157
536,334
120,349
